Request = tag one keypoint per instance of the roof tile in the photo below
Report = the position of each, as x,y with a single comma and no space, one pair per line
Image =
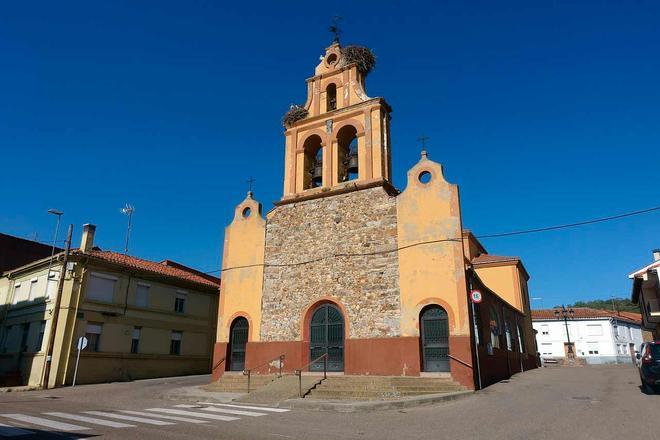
154,267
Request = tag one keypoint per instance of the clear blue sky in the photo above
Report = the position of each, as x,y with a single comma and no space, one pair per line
542,112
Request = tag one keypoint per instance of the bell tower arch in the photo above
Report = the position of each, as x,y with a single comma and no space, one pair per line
340,138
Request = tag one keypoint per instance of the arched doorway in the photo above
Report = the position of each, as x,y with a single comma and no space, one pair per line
434,330
238,336
327,336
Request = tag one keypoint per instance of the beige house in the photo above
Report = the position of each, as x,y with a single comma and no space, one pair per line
142,319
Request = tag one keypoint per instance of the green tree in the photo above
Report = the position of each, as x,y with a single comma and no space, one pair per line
620,304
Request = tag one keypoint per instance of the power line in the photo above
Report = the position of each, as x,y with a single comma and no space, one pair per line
571,225
503,234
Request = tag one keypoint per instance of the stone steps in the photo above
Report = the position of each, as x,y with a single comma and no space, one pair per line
402,381
237,383
381,388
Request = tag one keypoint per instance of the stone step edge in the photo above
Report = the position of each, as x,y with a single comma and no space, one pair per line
378,405
378,393
386,392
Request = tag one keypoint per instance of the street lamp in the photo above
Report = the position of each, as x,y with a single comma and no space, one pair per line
566,315
59,214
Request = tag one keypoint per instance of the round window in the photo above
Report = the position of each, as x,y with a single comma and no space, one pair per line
424,177
331,59
247,212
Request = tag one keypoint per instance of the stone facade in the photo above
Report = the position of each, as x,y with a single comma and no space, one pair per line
367,286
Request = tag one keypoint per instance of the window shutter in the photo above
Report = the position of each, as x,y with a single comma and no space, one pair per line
142,295
94,328
101,288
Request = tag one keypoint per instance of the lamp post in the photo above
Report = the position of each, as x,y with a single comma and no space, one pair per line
566,315
59,214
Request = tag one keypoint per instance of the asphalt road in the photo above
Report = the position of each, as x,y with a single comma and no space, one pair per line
603,402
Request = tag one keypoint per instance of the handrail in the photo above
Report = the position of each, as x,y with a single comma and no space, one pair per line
459,361
325,371
218,364
248,373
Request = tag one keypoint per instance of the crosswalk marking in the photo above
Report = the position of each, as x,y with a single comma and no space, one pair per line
258,408
130,418
224,410
92,420
10,431
181,412
59,426
163,416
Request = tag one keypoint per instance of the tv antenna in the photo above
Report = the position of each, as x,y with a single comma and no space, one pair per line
128,210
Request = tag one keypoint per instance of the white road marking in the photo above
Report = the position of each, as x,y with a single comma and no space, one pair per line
59,426
258,408
181,412
163,416
92,420
130,418
224,410
11,431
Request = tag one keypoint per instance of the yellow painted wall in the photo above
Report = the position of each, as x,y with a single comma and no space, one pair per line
431,273
510,283
242,276
503,280
158,319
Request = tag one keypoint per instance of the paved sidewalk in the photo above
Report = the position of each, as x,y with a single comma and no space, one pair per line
200,394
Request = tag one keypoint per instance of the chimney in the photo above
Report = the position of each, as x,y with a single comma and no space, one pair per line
656,254
87,242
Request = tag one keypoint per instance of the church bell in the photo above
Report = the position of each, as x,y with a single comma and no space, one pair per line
317,173
352,167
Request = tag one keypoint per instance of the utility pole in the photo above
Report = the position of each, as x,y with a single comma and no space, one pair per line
56,311
565,315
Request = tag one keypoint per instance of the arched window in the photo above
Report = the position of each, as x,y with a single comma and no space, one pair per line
507,333
494,328
313,168
521,338
331,97
348,153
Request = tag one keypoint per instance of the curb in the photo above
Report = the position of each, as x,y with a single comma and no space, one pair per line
379,405
195,394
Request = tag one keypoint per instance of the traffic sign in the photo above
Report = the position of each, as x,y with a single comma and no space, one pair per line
476,296
82,343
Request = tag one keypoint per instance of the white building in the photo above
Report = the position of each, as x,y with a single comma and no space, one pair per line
599,336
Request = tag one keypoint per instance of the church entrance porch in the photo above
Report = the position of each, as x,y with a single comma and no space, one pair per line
327,337
434,331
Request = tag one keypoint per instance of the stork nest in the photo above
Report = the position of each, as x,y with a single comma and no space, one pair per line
295,114
362,57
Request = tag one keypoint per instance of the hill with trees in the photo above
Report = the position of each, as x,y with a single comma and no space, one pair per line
621,304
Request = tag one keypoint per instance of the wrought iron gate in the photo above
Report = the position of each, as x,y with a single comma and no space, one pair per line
327,336
238,340
435,339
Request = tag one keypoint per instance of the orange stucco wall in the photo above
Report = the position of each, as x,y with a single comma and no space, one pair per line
242,276
505,280
431,273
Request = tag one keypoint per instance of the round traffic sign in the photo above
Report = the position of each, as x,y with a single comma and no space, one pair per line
476,296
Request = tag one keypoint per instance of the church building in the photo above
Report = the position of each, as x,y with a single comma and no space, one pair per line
350,270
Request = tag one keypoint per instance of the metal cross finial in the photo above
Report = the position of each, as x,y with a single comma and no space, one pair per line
334,28
423,140
250,181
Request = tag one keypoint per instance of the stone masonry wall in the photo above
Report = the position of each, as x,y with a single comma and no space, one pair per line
367,286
